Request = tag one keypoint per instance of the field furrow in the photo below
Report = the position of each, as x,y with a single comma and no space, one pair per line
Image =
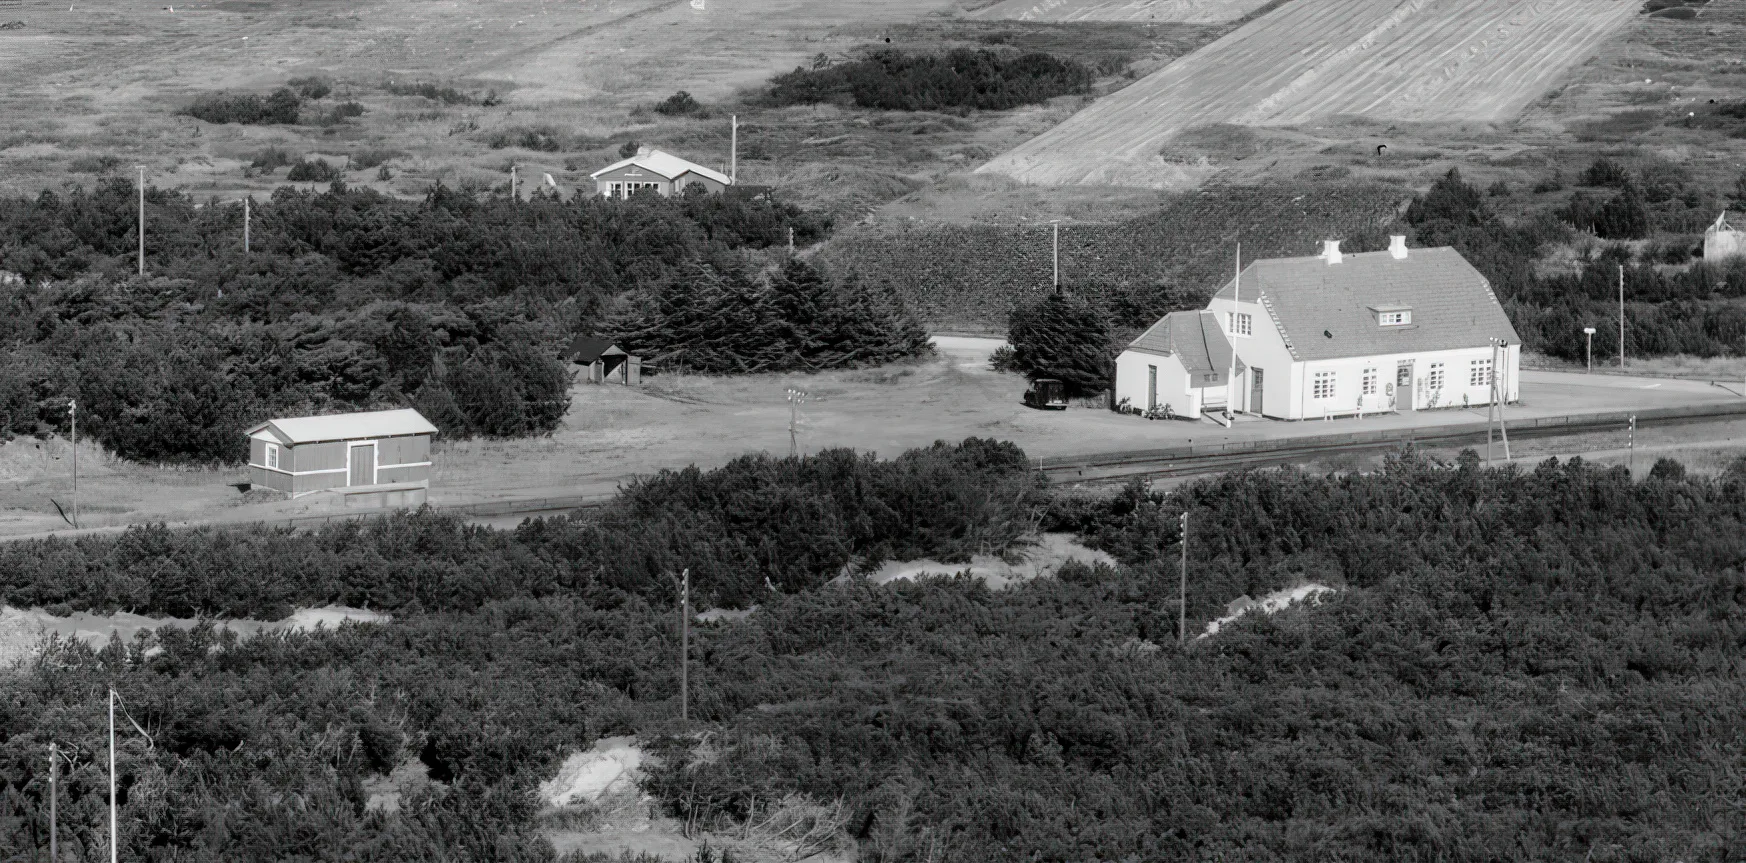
1416,60
1178,11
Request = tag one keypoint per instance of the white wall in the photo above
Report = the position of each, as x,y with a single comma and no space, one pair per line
1348,378
1132,382
1264,349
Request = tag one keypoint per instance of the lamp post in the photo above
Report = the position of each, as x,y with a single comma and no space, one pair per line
1589,331
73,414
1056,224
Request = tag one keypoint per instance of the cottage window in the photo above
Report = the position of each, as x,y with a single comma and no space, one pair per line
1436,377
1242,324
1394,319
1480,374
1324,385
1369,383
273,456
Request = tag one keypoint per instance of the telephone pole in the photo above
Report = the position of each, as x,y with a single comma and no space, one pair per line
141,219
734,152
685,646
1182,588
246,215
1056,224
512,181
54,778
114,842
1500,393
1631,445
1621,316
73,411
796,398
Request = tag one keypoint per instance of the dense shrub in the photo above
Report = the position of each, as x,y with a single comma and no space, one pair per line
445,95
313,171
1534,663
270,159
890,79
1061,336
708,320
311,87
678,104
280,106
1605,172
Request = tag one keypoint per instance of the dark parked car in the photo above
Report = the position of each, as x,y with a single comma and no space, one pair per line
1046,394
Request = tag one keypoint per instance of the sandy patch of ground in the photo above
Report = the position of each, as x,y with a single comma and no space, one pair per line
612,763
1276,601
22,630
1049,552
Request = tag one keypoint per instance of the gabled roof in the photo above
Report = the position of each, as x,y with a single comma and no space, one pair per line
664,165
1328,311
587,349
1196,340
359,426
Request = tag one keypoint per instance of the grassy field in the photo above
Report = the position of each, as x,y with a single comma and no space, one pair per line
1192,11
96,91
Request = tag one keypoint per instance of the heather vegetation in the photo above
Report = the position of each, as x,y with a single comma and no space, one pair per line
458,304
1540,663
1692,308
960,79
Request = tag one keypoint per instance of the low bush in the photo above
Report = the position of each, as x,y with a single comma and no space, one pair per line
94,164
445,95
270,159
311,87
364,160
279,107
679,104
1606,172
545,139
313,171
890,79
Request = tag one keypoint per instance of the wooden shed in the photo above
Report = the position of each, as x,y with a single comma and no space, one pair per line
606,362
379,458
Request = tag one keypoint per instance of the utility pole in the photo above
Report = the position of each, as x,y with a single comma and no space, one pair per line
142,219
1589,331
1182,588
73,411
1501,359
114,842
1621,316
246,226
734,152
791,241
512,182
54,777
685,646
1236,308
1056,223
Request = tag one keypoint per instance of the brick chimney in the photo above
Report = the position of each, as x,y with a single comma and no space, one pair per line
1397,247
1331,252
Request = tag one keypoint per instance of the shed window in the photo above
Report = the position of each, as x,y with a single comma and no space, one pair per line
1436,378
1479,374
273,455
1394,319
1369,382
1324,385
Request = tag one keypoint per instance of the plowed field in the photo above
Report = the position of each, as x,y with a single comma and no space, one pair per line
1183,11
1414,60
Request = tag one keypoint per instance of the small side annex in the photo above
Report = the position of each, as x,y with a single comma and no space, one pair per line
380,458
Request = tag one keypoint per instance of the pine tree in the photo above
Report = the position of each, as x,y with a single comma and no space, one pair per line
1062,337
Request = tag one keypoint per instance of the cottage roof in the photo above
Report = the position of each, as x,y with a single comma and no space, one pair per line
1196,340
665,165
357,426
587,349
1329,310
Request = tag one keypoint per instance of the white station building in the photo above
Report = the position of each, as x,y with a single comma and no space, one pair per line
1334,335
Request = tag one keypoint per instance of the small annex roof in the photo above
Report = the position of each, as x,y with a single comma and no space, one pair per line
1196,340
368,425
666,165
1328,311
587,349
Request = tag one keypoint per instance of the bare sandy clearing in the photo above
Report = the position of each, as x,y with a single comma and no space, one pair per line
1407,60
1050,552
22,630
1179,11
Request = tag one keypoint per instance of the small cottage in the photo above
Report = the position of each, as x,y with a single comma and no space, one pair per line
378,458
606,362
664,173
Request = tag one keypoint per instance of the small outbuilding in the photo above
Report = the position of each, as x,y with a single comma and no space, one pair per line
378,458
606,362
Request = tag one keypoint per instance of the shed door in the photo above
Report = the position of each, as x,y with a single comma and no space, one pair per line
1151,387
1403,386
1256,403
362,462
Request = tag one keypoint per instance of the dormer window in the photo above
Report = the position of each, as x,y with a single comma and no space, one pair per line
1393,316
